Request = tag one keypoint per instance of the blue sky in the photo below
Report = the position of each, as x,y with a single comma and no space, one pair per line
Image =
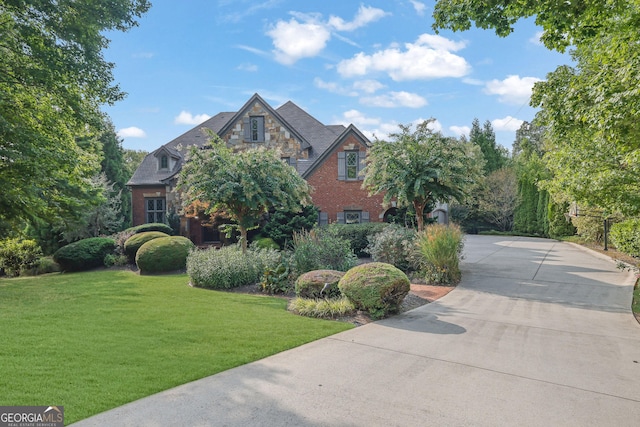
375,64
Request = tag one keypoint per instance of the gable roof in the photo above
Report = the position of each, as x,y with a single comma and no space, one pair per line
336,142
317,138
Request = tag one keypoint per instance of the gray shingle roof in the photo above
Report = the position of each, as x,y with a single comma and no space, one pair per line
319,136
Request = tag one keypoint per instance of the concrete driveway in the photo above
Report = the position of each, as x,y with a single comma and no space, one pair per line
539,333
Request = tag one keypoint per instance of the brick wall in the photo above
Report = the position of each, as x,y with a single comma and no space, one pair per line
138,194
332,195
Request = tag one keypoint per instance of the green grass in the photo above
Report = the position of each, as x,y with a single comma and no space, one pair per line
635,306
93,341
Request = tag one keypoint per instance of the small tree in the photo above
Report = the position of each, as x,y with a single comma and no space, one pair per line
499,199
422,167
244,185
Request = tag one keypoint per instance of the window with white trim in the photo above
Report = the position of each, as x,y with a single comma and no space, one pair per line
155,209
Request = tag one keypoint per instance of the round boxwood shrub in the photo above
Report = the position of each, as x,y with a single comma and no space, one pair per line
84,254
312,283
163,254
154,226
375,287
133,243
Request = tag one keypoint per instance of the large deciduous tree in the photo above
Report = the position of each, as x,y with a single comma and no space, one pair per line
242,185
422,167
589,110
53,80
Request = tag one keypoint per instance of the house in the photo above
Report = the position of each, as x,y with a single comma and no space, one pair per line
329,157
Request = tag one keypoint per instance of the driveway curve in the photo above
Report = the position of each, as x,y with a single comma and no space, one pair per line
539,333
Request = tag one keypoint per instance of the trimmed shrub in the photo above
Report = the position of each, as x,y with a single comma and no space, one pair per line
228,267
164,254
330,308
18,255
153,226
318,250
394,245
376,287
312,284
440,249
626,237
84,254
358,235
133,243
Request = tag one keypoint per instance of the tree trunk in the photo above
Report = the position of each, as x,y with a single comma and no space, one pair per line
419,208
243,238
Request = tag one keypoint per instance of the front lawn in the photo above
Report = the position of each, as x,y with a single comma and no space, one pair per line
93,341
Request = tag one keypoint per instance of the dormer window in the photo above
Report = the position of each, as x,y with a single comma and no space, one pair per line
164,162
254,129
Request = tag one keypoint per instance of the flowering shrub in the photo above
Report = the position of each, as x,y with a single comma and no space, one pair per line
394,245
228,267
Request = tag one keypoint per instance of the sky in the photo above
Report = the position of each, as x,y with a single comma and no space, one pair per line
374,64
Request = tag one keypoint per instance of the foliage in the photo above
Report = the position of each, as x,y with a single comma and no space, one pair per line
17,255
589,227
626,236
163,254
327,308
152,226
120,330
276,279
84,254
114,169
115,260
319,284
495,156
357,234
132,159
422,167
54,78
559,225
498,200
564,23
281,225
440,248
133,243
264,243
375,287
394,245
228,267
245,185
45,265
319,250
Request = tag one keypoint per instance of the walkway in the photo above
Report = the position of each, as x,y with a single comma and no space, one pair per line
539,333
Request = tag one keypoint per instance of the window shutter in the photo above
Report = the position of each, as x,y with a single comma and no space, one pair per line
364,216
246,127
342,170
324,218
340,217
260,129
362,162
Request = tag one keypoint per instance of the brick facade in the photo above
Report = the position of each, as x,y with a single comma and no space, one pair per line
138,194
332,195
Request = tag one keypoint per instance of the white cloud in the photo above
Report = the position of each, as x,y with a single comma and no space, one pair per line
368,86
294,40
395,99
536,39
333,87
365,15
143,55
509,123
419,7
248,67
429,57
460,130
358,118
512,90
131,132
186,118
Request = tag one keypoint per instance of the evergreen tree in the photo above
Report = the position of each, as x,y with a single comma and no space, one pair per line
485,138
